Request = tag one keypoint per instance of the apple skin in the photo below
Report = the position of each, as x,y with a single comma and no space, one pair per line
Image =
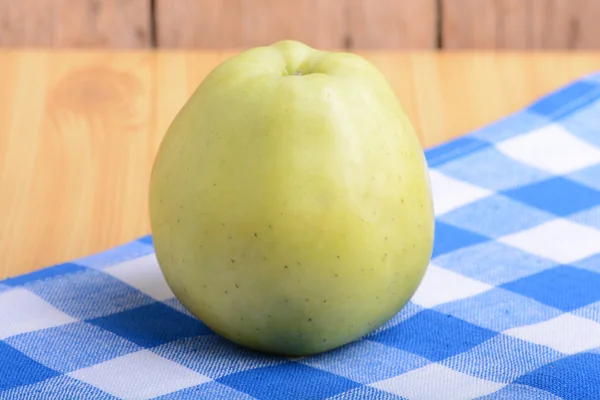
290,202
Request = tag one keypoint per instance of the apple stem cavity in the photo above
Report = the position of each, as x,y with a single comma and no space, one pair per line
298,73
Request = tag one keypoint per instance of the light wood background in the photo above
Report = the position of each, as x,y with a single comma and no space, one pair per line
341,24
79,130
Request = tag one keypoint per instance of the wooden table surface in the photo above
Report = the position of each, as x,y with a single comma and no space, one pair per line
79,130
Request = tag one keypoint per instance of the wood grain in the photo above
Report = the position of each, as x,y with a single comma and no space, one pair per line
331,24
75,23
79,130
387,24
209,24
520,24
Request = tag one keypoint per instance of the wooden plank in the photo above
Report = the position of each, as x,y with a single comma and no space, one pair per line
79,141
565,24
234,24
484,24
75,23
392,24
521,24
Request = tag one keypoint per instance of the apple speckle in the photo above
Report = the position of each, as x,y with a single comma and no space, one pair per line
232,261
310,320
237,286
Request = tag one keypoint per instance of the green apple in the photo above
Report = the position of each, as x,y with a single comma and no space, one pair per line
290,201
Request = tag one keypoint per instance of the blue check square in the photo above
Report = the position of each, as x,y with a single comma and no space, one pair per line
574,377
44,274
493,216
590,217
491,169
71,346
498,310
374,361
591,311
591,263
585,123
558,195
432,335
446,152
449,238
410,309
365,392
16,369
89,294
220,357
519,391
147,240
589,176
288,381
502,359
58,387
207,391
511,126
151,325
565,288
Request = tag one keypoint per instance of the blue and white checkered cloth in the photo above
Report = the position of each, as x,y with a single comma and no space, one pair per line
509,308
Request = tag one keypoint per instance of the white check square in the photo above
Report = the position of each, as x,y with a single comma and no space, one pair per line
435,381
559,240
551,148
440,286
141,375
22,311
567,333
143,274
450,193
